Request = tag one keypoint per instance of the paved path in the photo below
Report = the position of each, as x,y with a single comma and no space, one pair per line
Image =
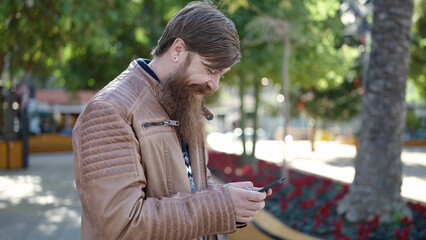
40,202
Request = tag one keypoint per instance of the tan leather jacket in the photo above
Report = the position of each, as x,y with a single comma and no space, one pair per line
132,181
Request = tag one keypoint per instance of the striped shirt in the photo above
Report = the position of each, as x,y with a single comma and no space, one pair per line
188,165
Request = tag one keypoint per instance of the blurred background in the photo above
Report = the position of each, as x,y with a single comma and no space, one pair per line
296,95
301,74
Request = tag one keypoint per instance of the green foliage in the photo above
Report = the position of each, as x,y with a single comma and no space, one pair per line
412,122
140,26
313,53
321,61
418,48
73,42
338,103
83,44
79,44
83,40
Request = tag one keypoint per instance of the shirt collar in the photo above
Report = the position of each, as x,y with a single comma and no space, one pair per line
144,64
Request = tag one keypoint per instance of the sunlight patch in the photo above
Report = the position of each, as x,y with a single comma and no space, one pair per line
58,215
15,189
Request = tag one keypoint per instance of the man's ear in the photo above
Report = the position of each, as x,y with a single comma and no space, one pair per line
178,50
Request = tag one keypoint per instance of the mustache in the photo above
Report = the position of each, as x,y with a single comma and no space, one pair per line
201,89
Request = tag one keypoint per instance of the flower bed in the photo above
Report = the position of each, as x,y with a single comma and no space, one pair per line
307,203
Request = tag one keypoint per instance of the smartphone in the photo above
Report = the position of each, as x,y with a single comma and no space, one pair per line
279,181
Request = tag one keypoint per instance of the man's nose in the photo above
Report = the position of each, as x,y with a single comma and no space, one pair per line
213,84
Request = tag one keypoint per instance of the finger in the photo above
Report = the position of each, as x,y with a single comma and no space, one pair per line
243,185
255,206
255,196
245,213
243,219
249,184
256,189
269,192
250,205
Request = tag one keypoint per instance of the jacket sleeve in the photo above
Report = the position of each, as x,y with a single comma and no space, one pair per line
111,185
211,183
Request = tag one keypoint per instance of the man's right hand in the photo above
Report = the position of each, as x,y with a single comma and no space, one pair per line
247,202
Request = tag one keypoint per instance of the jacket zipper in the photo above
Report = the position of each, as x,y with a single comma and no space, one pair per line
163,123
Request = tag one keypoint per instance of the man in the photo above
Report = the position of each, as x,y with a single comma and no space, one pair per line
139,157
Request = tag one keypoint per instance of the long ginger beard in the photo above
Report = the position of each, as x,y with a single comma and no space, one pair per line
182,102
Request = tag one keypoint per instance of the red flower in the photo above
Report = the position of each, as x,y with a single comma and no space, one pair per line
295,193
419,207
322,215
402,235
397,232
246,169
341,237
406,232
338,226
361,229
374,223
363,232
357,83
283,204
316,223
326,186
305,204
407,221
294,224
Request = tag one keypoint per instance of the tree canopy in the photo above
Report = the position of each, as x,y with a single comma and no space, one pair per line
418,48
77,44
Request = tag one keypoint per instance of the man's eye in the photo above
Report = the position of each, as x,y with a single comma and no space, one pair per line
212,71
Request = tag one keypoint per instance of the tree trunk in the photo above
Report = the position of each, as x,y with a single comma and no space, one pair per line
242,120
253,161
313,126
286,57
377,184
2,63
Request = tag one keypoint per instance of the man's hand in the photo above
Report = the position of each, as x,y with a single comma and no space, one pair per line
246,199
